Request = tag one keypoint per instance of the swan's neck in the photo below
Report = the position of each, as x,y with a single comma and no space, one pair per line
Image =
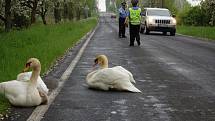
35,74
104,64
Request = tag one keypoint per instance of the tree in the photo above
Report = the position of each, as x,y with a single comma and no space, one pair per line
57,12
6,18
65,9
208,6
70,10
32,4
43,9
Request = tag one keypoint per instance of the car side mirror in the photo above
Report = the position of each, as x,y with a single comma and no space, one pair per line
173,15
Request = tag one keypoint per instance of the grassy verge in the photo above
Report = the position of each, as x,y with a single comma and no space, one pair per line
202,32
46,43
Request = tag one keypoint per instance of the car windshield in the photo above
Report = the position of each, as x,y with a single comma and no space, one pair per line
158,13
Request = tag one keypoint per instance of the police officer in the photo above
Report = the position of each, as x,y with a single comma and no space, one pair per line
122,17
134,17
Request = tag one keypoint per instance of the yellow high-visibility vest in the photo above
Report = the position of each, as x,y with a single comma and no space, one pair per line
135,17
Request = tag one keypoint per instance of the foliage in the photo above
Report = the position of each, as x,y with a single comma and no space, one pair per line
195,16
170,4
20,21
208,7
202,15
4,104
20,12
202,32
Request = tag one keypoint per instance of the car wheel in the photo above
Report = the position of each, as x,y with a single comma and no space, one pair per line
164,33
146,30
172,33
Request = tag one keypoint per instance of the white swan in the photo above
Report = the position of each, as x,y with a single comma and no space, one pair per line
41,86
25,93
106,78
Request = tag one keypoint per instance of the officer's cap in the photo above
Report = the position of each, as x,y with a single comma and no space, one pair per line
123,3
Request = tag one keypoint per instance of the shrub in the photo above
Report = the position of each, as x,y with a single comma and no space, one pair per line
21,21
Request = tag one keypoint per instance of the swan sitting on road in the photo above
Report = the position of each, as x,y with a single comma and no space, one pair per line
41,86
25,93
105,78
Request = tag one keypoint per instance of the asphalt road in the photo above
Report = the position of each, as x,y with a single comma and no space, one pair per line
175,73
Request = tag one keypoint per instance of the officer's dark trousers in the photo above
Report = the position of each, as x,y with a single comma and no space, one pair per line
134,34
121,27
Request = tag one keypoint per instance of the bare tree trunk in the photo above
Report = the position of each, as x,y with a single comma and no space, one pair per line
2,18
70,11
34,11
57,14
44,19
65,10
43,12
78,13
8,22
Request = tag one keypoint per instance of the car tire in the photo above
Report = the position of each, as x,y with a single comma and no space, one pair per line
146,30
164,33
172,33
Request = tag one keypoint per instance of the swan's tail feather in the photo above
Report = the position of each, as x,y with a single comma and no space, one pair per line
133,89
132,79
2,88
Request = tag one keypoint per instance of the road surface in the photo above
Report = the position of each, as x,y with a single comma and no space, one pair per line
175,73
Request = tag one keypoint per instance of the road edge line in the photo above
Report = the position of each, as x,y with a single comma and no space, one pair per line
195,37
40,111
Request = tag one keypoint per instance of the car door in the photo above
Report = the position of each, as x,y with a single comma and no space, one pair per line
143,14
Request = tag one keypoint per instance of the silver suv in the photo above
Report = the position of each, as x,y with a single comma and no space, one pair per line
158,19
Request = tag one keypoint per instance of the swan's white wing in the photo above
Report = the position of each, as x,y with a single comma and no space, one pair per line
123,70
41,86
13,88
107,76
20,93
24,76
116,78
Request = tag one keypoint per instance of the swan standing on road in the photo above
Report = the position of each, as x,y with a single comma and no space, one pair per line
25,93
106,78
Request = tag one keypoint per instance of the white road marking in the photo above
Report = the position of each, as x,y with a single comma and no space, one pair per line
40,111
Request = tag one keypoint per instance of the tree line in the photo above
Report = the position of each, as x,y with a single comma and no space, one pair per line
23,13
200,15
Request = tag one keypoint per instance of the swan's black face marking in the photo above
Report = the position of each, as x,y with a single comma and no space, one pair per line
28,64
96,61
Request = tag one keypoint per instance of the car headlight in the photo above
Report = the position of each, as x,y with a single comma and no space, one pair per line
150,21
174,21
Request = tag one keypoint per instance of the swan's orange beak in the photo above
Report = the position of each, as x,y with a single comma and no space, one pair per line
27,66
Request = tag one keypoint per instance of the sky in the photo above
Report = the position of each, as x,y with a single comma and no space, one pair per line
194,2
102,5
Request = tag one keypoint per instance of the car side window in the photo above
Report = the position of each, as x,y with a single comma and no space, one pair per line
143,13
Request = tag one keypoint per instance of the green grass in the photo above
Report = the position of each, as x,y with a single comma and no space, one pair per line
4,104
202,32
46,43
